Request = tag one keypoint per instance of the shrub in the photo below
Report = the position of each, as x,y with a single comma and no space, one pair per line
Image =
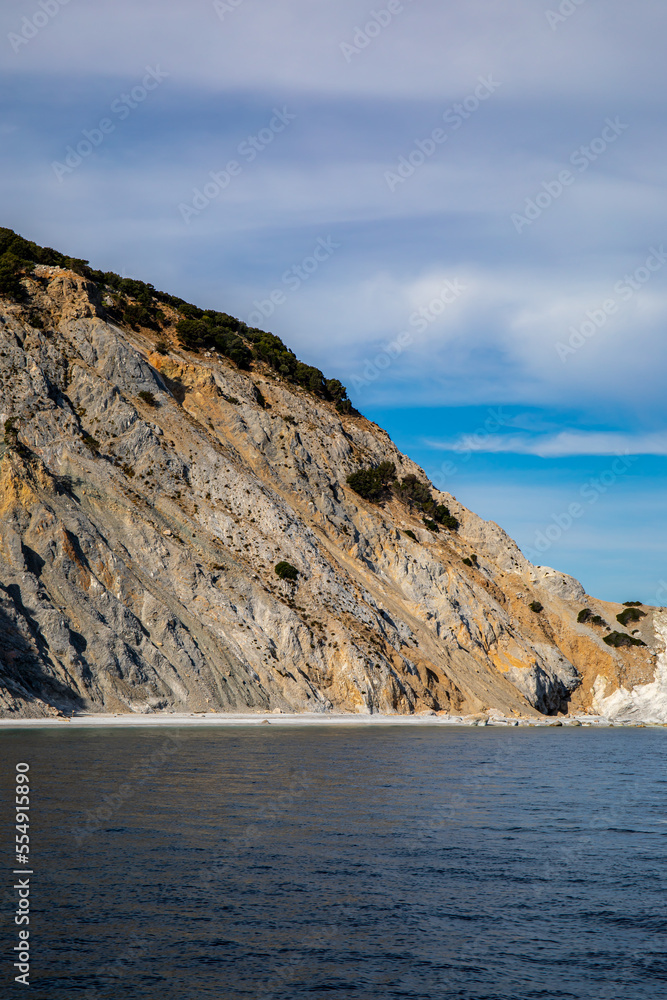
91,443
345,406
431,525
416,493
147,397
285,571
536,607
586,617
446,519
632,614
162,347
372,483
198,327
289,420
11,269
632,604
11,433
411,535
468,562
138,314
620,639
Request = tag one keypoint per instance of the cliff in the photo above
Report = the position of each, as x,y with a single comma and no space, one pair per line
147,495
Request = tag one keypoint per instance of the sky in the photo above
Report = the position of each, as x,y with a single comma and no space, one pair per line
458,209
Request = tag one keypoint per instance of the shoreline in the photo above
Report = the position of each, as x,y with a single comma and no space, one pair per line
227,719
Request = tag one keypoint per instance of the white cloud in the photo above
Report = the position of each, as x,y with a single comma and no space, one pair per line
563,444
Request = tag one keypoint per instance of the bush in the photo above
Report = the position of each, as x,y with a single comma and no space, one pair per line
536,607
372,483
138,314
11,270
411,535
630,615
147,397
586,616
632,604
468,562
446,519
620,639
414,492
91,443
198,328
431,525
285,571
162,347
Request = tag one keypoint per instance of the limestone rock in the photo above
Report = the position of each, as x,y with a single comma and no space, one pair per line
138,542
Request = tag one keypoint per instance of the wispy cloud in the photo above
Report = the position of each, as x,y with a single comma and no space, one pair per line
560,445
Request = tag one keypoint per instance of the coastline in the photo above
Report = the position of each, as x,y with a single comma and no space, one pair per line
213,720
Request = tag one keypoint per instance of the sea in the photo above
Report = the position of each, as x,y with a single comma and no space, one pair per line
332,862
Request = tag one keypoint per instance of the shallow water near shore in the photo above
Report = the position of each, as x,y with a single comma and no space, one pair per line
485,864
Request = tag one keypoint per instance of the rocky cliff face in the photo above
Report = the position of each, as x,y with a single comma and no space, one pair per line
139,536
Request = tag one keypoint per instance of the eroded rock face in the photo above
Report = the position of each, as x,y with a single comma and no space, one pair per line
138,543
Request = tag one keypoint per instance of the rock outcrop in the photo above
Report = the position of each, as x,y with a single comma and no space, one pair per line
146,498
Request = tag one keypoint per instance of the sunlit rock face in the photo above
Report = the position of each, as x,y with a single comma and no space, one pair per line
146,499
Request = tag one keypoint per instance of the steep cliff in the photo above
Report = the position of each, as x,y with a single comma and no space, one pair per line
146,497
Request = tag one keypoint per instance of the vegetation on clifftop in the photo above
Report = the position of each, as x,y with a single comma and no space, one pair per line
137,304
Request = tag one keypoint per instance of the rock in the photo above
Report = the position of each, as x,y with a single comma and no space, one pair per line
102,608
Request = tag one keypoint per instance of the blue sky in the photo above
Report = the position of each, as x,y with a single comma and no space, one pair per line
484,181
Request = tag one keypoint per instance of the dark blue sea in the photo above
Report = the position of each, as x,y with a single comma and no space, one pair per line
334,863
